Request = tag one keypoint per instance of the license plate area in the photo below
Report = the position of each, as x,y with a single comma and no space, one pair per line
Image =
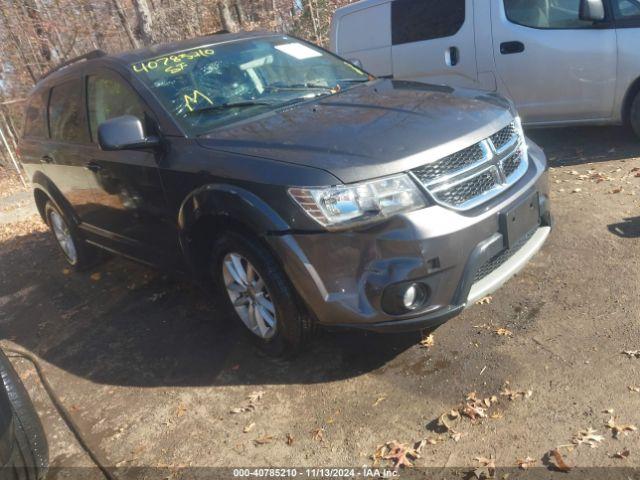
520,220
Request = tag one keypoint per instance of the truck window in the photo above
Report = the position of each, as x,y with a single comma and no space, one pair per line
109,98
35,124
66,114
418,20
623,9
546,14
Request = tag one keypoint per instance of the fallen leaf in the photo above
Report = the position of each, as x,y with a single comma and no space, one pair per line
634,389
249,427
559,461
513,394
485,301
487,468
253,397
428,342
96,276
400,455
264,439
289,439
473,411
576,190
379,400
66,271
181,410
632,353
617,190
503,332
525,463
617,429
318,434
620,455
588,437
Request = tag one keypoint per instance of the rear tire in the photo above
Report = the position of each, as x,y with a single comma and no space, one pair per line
78,253
634,115
292,325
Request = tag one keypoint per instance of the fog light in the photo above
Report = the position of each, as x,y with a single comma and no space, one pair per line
414,296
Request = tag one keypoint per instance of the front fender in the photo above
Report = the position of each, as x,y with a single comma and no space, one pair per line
232,202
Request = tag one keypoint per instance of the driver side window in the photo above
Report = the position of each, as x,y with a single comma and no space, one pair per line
546,14
108,98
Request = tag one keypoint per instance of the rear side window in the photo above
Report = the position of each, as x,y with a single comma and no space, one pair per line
418,20
66,115
109,97
35,120
546,14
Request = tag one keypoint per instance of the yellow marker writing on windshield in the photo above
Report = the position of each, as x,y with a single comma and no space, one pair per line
189,100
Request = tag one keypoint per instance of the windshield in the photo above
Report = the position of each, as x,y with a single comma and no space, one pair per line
214,85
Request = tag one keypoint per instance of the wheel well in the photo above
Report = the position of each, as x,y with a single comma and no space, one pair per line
633,90
41,201
202,234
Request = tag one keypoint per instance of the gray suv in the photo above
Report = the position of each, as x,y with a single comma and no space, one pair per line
291,184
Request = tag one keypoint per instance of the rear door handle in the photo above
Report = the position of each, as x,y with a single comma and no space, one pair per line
46,159
509,48
93,167
452,56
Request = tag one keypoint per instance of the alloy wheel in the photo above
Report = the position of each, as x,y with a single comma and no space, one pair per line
63,236
249,295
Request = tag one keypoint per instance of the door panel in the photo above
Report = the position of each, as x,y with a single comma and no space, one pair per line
434,42
561,70
132,212
64,157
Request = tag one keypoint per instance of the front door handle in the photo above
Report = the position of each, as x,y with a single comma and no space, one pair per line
93,167
452,56
509,48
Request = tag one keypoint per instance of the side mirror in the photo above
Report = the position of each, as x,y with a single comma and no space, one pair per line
355,62
124,133
592,10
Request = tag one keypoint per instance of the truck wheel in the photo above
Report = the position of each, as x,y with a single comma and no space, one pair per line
634,115
31,457
253,289
78,254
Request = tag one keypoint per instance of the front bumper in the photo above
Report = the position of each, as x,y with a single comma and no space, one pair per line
461,257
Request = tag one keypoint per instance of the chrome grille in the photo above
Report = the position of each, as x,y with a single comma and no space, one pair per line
504,137
511,163
468,189
477,173
451,164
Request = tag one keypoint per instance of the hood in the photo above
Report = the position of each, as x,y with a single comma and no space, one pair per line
368,131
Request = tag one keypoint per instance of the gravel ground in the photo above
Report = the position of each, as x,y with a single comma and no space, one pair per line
151,380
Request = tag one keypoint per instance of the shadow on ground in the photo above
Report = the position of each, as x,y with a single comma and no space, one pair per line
629,228
580,145
138,327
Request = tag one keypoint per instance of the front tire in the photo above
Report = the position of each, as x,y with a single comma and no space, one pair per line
253,290
78,254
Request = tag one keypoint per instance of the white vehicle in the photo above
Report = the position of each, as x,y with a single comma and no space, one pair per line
561,61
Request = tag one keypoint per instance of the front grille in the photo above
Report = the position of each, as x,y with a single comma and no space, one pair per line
511,163
498,260
504,137
451,164
473,175
466,191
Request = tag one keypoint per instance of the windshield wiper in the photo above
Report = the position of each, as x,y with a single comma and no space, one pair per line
300,86
230,105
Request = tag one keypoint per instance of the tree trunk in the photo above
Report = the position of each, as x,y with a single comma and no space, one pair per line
18,45
145,22
228,22
124,23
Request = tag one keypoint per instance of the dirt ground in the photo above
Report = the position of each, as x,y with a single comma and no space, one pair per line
152,381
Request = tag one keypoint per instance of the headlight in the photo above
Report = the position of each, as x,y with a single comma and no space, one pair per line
346,205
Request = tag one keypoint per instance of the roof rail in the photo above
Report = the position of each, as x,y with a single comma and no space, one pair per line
87,56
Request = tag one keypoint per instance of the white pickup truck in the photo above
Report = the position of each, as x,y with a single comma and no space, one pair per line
561,61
